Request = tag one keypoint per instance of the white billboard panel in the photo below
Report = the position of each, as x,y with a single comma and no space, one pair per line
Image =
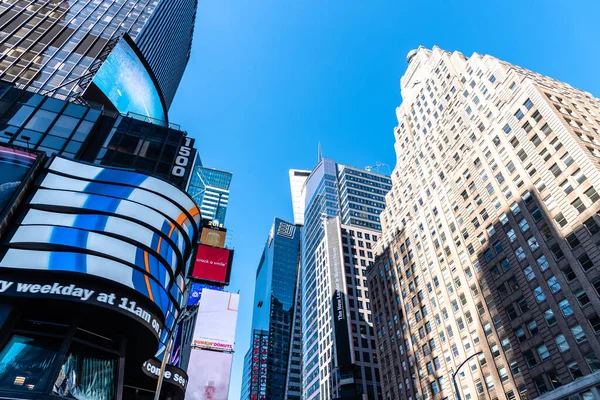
208,375
216,321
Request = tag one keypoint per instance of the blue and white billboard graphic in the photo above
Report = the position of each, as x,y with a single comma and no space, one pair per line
122,226
125,81
196,292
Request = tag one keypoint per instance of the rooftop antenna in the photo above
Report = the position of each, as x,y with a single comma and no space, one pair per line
320,152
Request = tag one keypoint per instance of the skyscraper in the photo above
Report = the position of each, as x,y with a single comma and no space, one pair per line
490,235
210,189
340,223
267,362
49,45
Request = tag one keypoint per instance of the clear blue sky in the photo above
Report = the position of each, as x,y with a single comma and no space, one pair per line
268,80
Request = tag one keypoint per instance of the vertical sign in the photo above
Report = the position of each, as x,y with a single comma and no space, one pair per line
344,354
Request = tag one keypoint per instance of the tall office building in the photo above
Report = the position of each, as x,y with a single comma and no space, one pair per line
267,365
48,45
341,226
210,189
490,235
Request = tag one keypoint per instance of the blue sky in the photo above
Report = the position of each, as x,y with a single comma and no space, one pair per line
268,80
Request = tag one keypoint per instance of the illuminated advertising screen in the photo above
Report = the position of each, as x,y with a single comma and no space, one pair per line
196,292
216,321
14,166
213,236
212,264
93,222
208,374
127,84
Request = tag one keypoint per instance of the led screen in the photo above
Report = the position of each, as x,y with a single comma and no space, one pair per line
14,166
212,264
208,374
196,292
128,228
217,318
213,237
124,80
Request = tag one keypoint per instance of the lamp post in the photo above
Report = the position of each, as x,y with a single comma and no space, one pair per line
456,373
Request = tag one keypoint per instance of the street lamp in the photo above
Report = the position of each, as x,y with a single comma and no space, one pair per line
456,373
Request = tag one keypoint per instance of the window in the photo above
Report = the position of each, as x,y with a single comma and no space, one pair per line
591,226
479,386
540,385
566,186
532,327
578,205
528,104
553,284
543,352
582,297
560,220
539,294
520,253
495,350
533,244
585,262
511,235
565,307
574,370
505,342
568,273
592,195
556,171
579,176
521,337
572,240
592,361
503,374
514,367
519,115
530,358
523,225
549,316
578,334
506,129
554,379
489,381
529,274
561,343
595,322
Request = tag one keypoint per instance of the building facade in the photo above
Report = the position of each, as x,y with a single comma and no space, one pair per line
93,134
210,189
489,250
267,364
338,359
49,46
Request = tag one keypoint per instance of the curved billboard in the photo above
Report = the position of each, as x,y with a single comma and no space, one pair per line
120,226
125,80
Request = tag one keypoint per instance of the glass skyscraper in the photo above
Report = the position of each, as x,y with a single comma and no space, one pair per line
210,189
48,45
266,364
341,217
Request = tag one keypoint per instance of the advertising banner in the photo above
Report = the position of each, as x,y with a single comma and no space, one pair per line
344,354
173,375
125,81
95,222
209,373
196,292
212,264
216,321
14,166
213,236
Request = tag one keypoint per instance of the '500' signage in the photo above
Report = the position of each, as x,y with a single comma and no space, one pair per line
182,161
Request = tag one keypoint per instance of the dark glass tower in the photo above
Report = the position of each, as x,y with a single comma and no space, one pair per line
48,45
266,363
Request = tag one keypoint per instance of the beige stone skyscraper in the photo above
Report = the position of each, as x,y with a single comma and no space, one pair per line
490,235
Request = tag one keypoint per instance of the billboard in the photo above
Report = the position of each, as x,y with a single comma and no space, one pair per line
344,354
216,321
127,228
196,292
128,85
212,264
213,236
208,373
14,166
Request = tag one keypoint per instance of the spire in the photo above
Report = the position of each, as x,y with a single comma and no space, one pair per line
320,153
